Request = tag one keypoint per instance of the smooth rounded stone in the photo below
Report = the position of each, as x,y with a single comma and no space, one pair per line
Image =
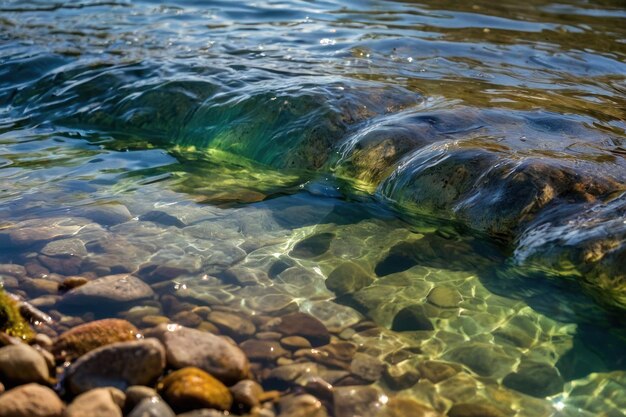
483,358
31,232
312,246
474,410
137,393
70,265
301,406
366,367
72,282
205,412
233,325
10,282
318,387
112,289
350,401
437,371
162,218
187,319
444,297
21,364
39,286
407,407
36,270
152,407
99,402
246,276
65,248
520,331
108,214
270,336
118,365
336,354
263,350
30,400
89,336
304,325
275,304
335,317
14,270
401,376
535,379
348,278
246,394
411,318
211,353
286,375
460,388
295,342
43,340
191,388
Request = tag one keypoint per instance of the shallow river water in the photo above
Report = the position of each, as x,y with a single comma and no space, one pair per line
452,174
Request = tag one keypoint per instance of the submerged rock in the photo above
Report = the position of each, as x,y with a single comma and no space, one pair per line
411,318
536,379
86,337
152,407
304,325
312,246
191,388
118,365
30,400
100,402
11,320
348,278
190,347
106,291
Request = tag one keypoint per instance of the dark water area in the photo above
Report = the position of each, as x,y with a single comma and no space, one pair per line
454,172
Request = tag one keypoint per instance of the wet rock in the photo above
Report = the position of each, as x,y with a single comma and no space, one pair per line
294,342
444,297
401,376
152,407
263,350
233,325
284,376
99,402
211,353
301,406
274,304
411,318
483,358
31,232
187,319
246,394
353,401
436,371
118,365
72,282
21,364
460,388
89,336
191,388
312,246
405,407
112,289
336,354
519,331
161,217
63,256
318,387
366,367
348,278
14,270
107,214
136,394
246,276
205,412
304,325
535,379
11,321
474,410
30,400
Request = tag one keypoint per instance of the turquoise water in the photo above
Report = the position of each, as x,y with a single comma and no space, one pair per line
477,147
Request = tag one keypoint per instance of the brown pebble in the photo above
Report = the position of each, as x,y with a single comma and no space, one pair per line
268,336
187,318
72,282
263,350
295,342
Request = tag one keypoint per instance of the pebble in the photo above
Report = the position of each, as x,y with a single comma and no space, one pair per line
72,282
21,364
284,376
436,371
89,336
444,297
312,246
30,232
401,376
363,401
411,318
14,270
152,407
246,394
137,393
535,379
112,289
366,367
65,248
483,358
474,410
187,318
269,336
107,214
191,388
30,400
263,350
99,402
211,353
205,412
348,278
304,325
295,342
405,407
233,325
301,406
118,365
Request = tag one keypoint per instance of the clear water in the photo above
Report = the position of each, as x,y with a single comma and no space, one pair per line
473,146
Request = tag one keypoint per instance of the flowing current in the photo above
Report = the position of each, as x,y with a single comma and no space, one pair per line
453,173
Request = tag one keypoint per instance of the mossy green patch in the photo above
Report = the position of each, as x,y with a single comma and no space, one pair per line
11,321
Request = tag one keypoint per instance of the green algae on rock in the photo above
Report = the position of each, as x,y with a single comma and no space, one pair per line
11,321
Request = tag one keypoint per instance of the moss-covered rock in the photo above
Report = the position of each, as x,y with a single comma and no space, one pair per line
11,321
